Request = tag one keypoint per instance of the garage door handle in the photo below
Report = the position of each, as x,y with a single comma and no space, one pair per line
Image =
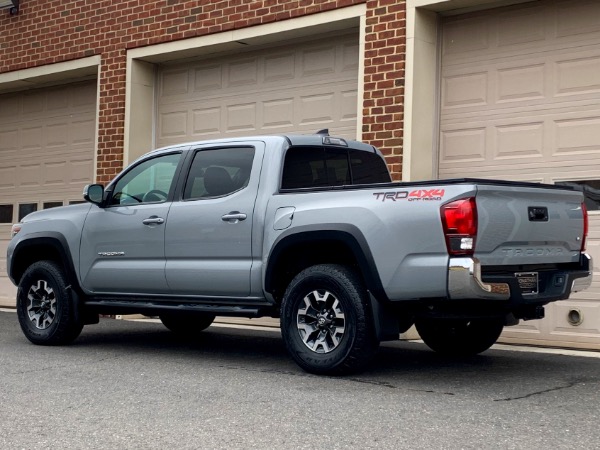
153,220
234,217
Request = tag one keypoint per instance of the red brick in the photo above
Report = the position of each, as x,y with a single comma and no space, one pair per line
51,31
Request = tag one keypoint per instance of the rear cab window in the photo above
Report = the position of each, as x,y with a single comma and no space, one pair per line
317,167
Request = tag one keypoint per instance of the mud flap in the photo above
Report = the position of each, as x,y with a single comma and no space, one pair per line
80,314
386,323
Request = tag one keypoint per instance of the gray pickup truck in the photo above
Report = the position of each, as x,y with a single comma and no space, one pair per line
309,229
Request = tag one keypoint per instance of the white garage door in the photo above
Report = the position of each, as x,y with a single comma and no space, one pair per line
521,101
46,155
299,87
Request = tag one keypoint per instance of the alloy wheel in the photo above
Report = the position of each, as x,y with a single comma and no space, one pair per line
41,305
321,321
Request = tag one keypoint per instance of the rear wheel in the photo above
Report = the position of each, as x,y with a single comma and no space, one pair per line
44,305
187,325
459,337
326,322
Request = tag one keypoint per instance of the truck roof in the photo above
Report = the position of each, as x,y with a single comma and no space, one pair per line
309,140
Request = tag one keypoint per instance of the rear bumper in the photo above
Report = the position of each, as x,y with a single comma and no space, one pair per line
584,282
466,282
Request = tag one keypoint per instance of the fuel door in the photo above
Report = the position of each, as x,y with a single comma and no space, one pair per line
283,217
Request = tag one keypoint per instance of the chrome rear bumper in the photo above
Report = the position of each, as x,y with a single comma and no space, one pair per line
580,284
465,281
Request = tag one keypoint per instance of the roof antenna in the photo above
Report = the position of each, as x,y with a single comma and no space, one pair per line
323,132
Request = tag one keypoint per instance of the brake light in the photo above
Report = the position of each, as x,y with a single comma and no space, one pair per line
585,226
459,219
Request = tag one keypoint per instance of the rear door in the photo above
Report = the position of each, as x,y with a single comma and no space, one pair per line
209,231
123,244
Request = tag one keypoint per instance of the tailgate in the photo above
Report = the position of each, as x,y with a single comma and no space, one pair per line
520,225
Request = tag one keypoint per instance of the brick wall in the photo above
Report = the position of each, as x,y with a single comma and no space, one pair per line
50,31
383,106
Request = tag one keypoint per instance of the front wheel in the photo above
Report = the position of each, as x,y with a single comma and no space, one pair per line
459,337
44,305
326,322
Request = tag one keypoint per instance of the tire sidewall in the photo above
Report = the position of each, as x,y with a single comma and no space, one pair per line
294,298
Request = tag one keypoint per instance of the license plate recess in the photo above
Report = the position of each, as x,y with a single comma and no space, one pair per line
528,282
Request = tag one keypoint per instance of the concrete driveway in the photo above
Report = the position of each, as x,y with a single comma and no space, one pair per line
135,385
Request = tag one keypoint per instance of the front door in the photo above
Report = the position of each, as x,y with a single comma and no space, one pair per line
209,233
123,244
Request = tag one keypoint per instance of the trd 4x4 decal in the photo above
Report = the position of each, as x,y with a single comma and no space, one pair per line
412,196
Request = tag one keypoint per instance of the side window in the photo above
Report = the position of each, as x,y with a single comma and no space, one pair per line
218,172
368,168
148,182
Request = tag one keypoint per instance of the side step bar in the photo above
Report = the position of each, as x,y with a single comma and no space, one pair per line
153,307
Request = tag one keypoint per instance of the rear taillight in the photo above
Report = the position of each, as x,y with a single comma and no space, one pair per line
459,219
585,226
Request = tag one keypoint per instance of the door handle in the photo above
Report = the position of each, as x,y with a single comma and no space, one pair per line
153,220
233,217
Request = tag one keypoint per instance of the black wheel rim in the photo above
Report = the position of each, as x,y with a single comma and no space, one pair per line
320,321
41,304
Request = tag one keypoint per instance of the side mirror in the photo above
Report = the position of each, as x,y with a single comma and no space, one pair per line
94,193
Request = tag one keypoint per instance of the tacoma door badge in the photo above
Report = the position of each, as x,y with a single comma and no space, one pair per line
111,253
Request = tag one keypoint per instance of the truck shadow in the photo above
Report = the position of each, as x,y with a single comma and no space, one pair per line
397,365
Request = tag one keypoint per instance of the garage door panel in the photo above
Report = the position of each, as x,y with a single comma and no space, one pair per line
80,170
543,82
56,135
520,100
521,83
242,73
465,36
579,75
11,106
9,138
511,32
523,26
206,78
46,153
557,139
174,83
55,100
240,117
205,122
576,18
7,179
294,87
577,136
278,113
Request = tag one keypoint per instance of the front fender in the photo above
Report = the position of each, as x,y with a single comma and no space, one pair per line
38,246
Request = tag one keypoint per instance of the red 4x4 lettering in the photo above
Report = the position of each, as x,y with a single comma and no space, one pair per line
427,193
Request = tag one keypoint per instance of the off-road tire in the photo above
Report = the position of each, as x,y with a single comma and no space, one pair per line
357,344
187,325
44,305
459,337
